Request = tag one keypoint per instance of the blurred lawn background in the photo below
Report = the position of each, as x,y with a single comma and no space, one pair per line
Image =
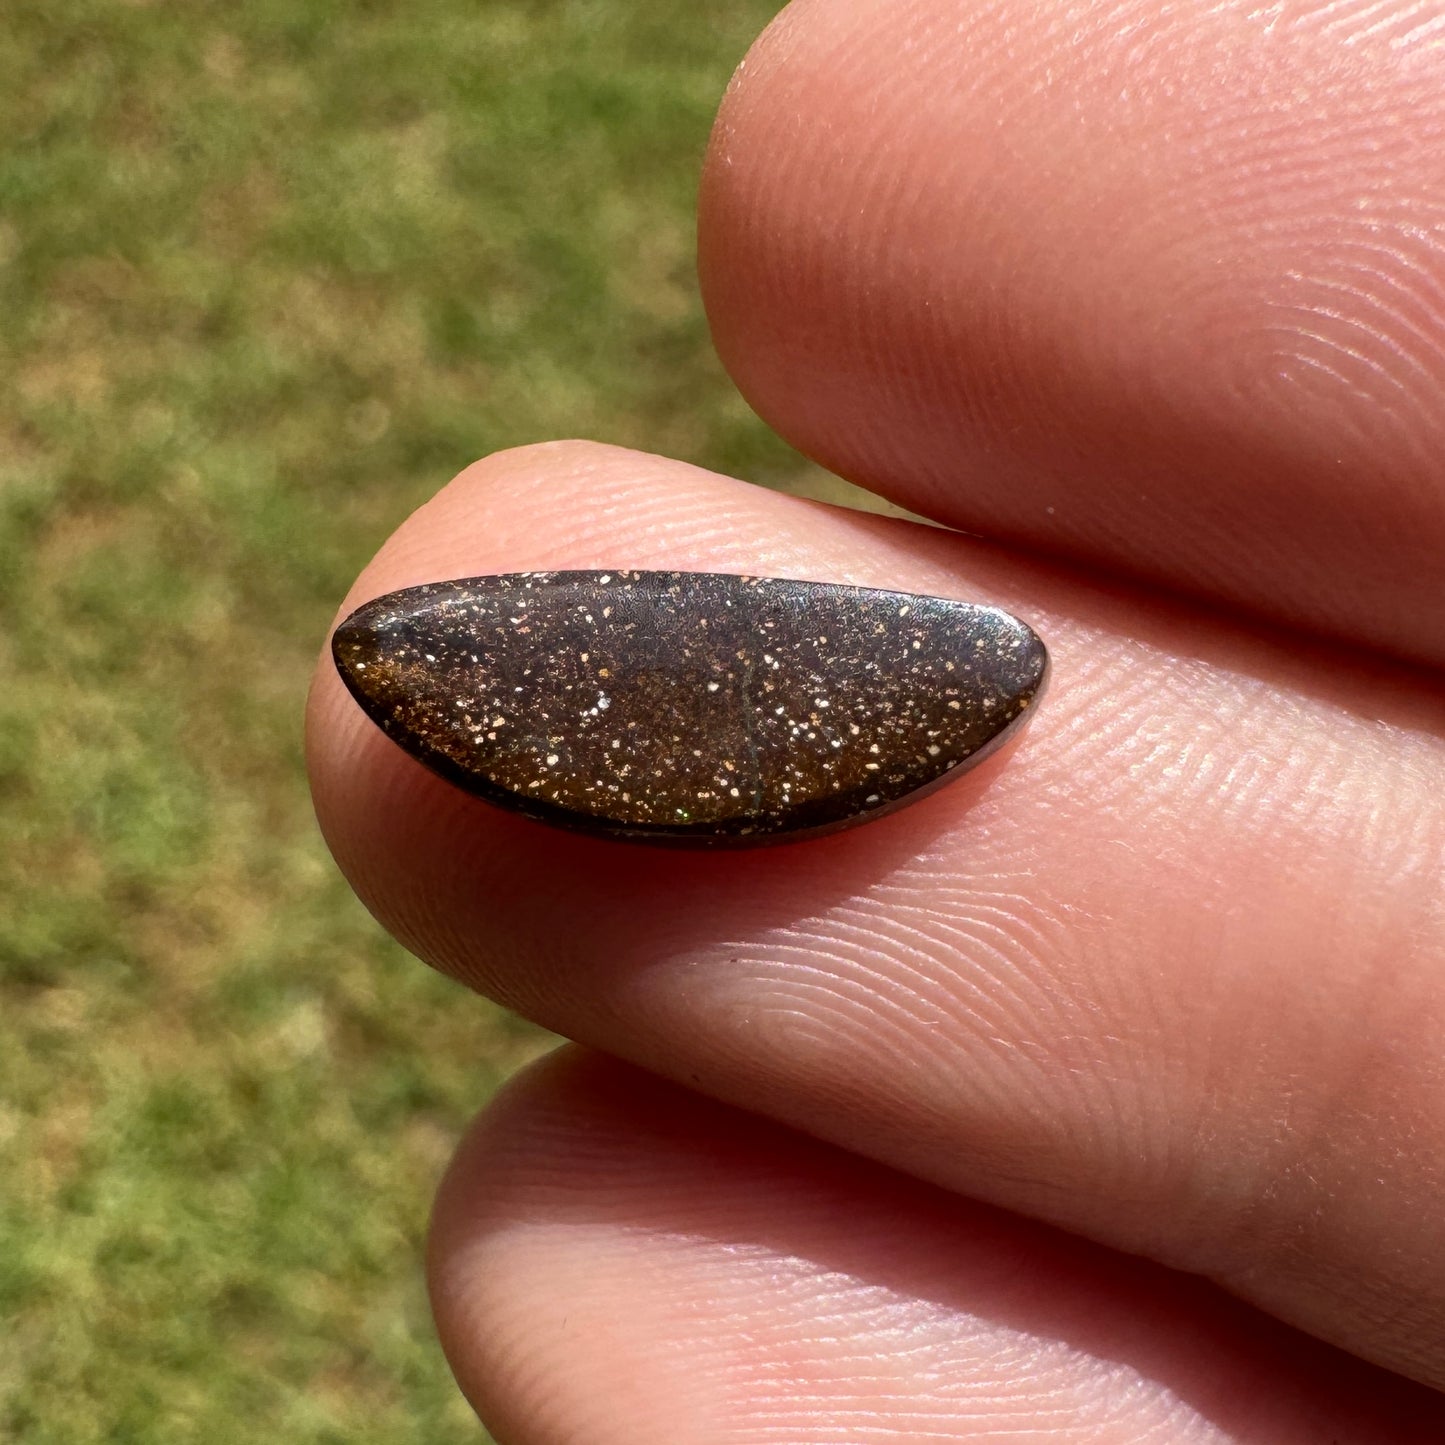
270,273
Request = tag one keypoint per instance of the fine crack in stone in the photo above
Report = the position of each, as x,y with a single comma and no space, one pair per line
686,707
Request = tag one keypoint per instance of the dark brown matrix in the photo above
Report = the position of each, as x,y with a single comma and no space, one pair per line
688,707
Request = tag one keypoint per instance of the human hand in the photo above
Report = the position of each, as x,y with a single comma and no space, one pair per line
1160,289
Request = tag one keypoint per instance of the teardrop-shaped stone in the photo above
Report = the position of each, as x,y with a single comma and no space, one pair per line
688,707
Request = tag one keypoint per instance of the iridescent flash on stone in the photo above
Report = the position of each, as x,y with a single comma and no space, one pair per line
687,707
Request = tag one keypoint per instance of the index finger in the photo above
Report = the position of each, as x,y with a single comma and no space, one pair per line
1162,287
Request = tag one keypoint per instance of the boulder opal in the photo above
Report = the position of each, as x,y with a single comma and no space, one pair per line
685,707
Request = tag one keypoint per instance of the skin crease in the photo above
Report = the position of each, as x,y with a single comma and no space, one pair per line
1168,975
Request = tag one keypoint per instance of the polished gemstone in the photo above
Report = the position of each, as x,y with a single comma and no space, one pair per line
687,707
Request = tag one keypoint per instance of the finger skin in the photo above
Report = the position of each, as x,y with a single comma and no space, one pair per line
1169,973
1161,287
615,1259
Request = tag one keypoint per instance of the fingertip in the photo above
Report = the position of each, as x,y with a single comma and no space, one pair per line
460,881
614,1258
1153,286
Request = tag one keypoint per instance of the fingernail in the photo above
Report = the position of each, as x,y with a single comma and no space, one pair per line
687,707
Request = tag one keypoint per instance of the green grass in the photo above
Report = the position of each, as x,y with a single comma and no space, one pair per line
269,274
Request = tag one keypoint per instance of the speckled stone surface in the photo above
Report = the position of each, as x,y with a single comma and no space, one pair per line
685,707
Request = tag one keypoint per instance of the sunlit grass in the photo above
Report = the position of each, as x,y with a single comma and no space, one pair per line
269,274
